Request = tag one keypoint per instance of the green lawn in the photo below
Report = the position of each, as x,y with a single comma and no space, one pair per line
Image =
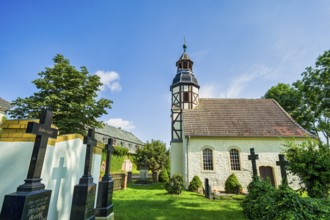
153,202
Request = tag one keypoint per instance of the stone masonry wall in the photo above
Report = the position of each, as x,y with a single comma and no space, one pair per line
267,149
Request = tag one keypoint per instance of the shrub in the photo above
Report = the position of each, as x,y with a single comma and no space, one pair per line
163,176
175,184
260,200
311,162
265,202
232,184
195,183
120,151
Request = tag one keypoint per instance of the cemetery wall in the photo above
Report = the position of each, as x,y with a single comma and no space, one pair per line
62,169
267,149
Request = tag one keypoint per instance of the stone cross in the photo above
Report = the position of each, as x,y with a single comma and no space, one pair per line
90,141
110,149
282,163
43,131
253,157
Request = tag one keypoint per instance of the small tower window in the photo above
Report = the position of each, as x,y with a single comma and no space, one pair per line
185,96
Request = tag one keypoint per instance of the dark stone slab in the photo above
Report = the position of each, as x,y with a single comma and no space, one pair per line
83,202
31,201
26,205
84,193
104,206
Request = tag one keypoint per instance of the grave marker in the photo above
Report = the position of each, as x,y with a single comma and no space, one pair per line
104,206
84,193
253,157
31,201
283,163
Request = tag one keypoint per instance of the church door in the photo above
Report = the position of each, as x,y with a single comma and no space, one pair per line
267,172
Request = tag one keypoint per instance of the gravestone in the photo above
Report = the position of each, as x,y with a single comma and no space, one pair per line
208,189
31,200
143,174
127,166
104,206
84,193
253,157
283,163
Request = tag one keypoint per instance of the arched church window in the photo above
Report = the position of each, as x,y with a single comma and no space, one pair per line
207,159
234,159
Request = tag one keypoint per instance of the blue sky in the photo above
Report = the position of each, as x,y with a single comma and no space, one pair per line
239,48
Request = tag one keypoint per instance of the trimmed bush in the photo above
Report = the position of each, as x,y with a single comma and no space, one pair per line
175,185
195,183
232,184
163,176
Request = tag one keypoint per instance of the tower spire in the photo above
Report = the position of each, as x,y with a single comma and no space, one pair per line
184,44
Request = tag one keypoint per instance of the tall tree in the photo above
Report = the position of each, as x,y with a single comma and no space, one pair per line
314,88
308,99
71,95
153,155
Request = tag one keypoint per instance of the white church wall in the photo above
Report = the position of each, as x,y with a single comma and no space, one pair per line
176,158
267,149
63,167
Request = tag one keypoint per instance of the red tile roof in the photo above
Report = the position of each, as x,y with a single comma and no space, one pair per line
240,118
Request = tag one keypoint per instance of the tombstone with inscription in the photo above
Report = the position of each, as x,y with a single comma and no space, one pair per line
283,163
31,200
104,206
84,193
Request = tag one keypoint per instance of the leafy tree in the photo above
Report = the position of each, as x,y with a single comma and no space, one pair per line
163,176
312,164
315,90
154,156
69,93
308,99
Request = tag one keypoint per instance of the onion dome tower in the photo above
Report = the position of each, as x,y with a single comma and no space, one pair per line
184,91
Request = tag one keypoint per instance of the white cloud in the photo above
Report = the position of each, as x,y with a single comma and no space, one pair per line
109,79
120,123
238,84
208,91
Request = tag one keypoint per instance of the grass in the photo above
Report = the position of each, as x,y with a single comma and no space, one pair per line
152,202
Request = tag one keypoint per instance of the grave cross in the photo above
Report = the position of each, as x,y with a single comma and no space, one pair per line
282,163
253,157
109,149
43,131
90,142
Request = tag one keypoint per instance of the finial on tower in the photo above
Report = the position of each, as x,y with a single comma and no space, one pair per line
184,44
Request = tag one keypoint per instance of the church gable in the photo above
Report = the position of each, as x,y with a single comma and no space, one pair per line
240,118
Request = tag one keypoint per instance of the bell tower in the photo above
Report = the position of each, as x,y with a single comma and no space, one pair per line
184,91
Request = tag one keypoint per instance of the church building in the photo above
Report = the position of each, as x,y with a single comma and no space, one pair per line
212,137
